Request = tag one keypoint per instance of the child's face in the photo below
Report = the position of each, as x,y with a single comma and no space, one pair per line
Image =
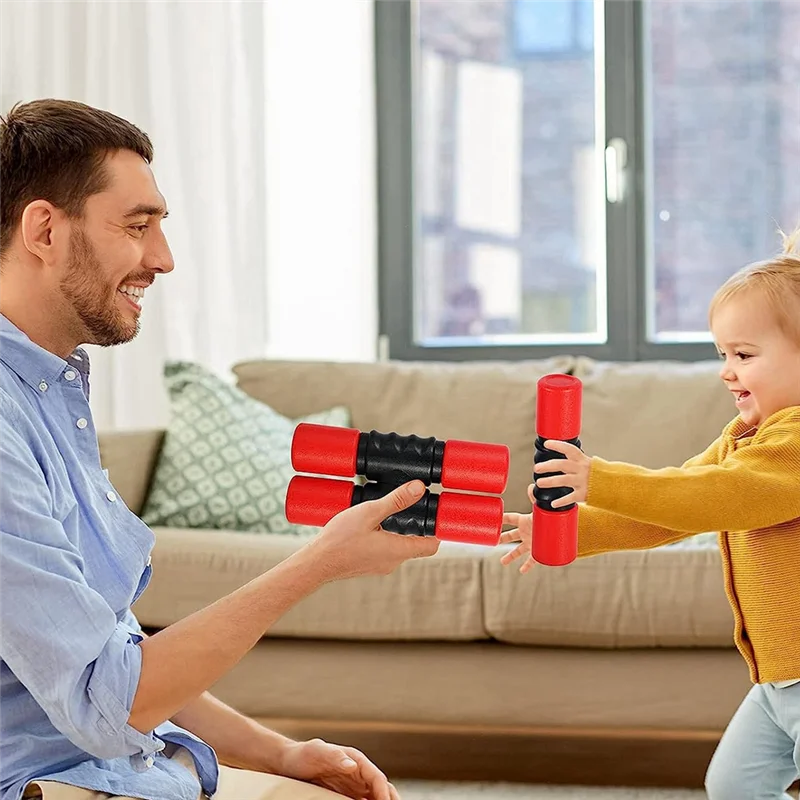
762,364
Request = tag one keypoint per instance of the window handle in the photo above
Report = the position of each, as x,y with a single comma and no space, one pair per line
616,169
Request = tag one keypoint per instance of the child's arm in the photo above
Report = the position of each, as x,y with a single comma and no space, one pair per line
601,531
756,486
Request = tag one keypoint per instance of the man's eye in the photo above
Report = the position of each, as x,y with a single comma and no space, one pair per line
139,228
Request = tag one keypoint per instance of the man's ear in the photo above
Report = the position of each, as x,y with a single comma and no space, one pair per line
45,231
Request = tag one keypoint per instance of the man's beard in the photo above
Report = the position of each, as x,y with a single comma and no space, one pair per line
93,300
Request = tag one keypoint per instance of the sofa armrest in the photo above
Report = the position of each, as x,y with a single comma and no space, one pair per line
130,458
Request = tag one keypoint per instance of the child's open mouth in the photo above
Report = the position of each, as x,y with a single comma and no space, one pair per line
741,397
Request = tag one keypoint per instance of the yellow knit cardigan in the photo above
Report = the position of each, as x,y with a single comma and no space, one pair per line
746,485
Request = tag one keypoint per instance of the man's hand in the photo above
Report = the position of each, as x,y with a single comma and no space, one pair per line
353,542
576,468
341,769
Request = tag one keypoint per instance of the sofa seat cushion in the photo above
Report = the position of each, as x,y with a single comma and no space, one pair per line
488,684
437,598
667,597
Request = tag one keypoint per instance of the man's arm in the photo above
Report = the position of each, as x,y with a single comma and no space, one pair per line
237,740
241,742
105,689
182,661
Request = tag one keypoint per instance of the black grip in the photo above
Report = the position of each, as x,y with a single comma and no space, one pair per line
395,459
416,520
544,497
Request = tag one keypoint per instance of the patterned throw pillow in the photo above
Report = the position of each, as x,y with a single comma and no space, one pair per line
226,458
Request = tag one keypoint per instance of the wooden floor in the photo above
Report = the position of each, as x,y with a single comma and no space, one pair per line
524,755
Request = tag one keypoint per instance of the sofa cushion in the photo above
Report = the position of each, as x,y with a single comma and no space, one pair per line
655,414
425,599
670,596
484,402
226,461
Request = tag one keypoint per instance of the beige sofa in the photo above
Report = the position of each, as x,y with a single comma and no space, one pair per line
615,669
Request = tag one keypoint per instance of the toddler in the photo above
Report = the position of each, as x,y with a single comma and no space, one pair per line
745,485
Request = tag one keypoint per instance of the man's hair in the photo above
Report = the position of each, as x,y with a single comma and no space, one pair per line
778,281
55,150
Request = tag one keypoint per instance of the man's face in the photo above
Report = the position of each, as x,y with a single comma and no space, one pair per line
116,251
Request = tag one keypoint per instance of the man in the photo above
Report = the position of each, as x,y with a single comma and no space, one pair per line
90,707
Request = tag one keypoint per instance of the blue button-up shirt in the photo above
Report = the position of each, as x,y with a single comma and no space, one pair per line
73,558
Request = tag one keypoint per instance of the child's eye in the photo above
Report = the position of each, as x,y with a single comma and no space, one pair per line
743,356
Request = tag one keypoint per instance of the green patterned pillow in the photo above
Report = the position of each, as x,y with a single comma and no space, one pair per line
226,458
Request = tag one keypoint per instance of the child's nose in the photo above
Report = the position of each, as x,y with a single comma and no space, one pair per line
726,371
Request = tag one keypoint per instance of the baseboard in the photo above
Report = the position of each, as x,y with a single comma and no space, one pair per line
587,757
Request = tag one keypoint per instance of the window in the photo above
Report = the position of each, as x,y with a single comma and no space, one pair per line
578,176
552,27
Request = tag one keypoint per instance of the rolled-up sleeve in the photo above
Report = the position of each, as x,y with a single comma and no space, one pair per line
59,636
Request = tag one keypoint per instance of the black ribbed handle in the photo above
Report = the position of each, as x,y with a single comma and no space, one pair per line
391,458
416,520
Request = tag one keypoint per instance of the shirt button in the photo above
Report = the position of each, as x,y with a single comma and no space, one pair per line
149,761
111,496
81,423
69,375
43,386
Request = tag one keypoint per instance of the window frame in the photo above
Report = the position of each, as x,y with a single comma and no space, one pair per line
628,223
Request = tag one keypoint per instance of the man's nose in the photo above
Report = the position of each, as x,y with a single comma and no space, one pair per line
159,256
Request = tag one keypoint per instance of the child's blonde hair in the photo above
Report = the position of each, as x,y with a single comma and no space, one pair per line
778,279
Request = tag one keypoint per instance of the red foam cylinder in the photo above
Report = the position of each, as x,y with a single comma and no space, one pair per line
325,449
474,465
471,519
555,536
330,450
558,407
316,501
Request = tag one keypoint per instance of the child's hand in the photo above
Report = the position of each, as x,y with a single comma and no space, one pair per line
522,533
576,467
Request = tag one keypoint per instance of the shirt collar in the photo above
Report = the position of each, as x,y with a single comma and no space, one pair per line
36,366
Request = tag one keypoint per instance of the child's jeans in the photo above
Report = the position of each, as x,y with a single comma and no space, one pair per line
758,757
